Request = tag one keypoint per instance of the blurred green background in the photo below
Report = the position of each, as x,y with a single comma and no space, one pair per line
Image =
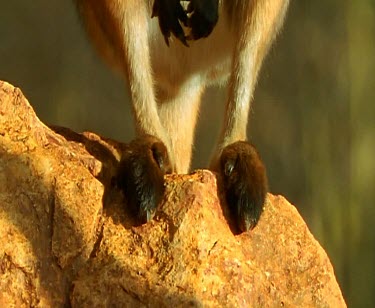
312,118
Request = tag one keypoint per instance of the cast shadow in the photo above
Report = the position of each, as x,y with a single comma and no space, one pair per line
105,150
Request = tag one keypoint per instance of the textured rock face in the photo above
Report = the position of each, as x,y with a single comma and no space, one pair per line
66,237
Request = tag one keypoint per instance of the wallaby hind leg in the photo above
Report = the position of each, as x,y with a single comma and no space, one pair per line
243,173
120,31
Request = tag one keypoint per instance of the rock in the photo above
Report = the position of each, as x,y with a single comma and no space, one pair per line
66,237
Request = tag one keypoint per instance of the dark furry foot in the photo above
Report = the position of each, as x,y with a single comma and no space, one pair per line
245,183
200,16
141,176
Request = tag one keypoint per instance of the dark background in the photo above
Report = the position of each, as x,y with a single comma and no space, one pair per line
312,118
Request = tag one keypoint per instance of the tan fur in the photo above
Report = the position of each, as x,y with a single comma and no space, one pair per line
166,83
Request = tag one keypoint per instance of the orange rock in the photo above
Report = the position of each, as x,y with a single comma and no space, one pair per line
66,237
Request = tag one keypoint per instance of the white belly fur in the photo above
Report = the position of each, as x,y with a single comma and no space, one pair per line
210,57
